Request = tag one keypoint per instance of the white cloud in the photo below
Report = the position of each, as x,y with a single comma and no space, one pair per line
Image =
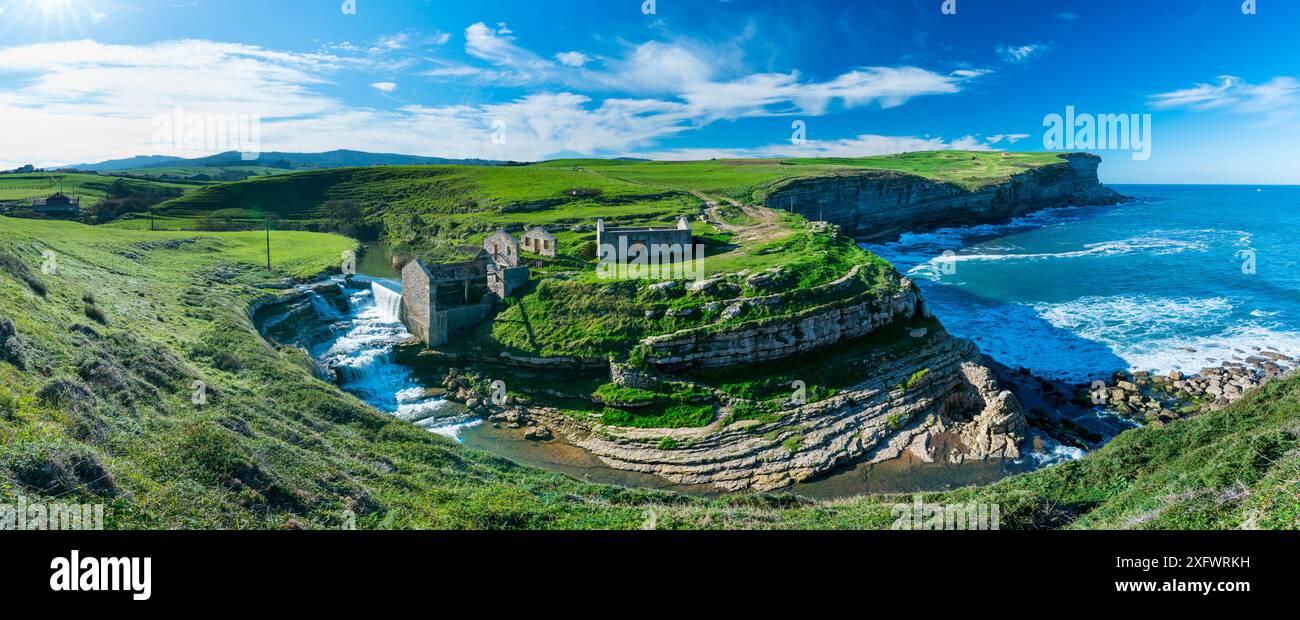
1069,17
573,59
84,101
72,101
1276,99
1232,92
1022,53
442,38
393,42
692,74
860,146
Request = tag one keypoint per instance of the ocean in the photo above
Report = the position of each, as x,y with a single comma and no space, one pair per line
1179,278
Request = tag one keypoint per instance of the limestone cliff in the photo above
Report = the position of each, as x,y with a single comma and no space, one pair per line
953,412
780,337
878,204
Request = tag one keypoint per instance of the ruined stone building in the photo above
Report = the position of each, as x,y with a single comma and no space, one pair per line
446,301
615,237
538,241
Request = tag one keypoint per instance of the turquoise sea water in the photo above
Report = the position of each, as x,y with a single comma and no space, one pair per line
1159,283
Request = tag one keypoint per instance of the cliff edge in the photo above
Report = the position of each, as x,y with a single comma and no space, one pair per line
882,204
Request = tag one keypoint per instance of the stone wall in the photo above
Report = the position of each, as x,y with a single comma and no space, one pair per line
459,321
623,239
882,204
417,302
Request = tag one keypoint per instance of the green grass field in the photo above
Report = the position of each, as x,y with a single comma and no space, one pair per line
89,187
99,410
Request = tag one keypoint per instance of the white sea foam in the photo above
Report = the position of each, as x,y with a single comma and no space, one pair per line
1089,337
1054,453
933,268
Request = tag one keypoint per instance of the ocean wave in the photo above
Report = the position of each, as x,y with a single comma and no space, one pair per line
933,268
1090,337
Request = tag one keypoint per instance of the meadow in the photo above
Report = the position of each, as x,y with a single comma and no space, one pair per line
91,188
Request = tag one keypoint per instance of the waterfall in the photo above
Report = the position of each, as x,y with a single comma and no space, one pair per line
388,301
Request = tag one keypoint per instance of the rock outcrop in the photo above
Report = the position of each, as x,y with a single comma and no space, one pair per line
780,337
879,204
954,412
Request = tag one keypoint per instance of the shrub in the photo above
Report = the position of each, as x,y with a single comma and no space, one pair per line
95,314
15,267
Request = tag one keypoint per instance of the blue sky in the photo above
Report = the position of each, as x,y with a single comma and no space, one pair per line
85,80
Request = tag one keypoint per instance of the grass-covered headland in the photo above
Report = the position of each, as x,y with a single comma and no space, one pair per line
98,363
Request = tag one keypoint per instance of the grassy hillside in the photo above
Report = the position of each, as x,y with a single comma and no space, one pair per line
91,188
747,179
413,199
96,406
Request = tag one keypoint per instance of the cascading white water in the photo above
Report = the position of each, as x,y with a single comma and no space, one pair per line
360,352
388,301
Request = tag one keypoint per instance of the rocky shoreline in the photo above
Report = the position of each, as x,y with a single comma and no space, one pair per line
1158,398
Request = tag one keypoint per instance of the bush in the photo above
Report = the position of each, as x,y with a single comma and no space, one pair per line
95,314
56,469
15,267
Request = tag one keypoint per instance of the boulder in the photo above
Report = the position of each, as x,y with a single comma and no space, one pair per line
734,310
539,433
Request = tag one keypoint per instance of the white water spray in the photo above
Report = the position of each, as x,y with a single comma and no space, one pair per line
388,301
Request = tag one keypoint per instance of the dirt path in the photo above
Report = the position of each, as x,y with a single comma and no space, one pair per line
765,224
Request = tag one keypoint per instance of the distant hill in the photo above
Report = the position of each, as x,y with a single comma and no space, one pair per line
292,161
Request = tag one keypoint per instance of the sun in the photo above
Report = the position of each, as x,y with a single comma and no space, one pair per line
52,9
64,16
51,6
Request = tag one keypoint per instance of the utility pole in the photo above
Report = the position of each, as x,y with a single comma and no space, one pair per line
268,243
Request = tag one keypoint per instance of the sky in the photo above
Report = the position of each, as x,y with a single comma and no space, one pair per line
87,80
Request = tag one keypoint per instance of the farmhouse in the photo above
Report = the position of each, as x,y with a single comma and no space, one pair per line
57,204
538,241
446,301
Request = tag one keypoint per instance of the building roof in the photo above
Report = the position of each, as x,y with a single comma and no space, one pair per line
58,199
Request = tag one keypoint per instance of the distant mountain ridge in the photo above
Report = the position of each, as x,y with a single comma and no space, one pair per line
330,159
